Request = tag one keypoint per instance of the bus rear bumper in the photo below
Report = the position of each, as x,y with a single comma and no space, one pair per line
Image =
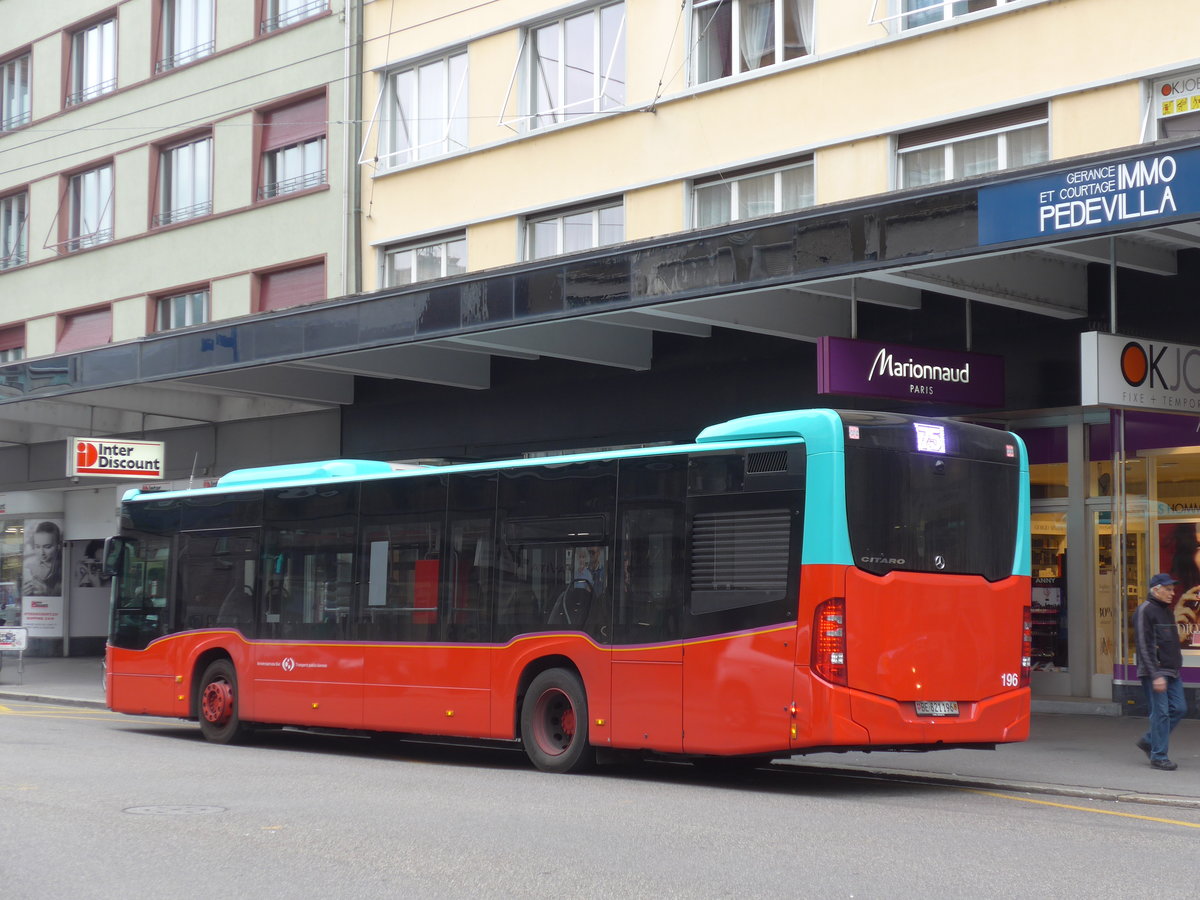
999,719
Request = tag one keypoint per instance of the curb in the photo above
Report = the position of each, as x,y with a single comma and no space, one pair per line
1112,795
49,698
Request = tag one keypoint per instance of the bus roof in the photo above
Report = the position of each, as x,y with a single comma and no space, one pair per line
820,427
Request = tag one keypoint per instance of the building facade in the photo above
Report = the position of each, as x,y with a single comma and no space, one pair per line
574,225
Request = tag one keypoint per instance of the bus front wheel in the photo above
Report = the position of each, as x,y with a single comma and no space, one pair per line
554,723
218,706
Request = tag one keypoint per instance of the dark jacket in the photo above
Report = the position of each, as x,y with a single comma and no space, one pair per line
1158,650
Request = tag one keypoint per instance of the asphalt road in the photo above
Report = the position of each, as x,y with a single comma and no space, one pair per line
94,804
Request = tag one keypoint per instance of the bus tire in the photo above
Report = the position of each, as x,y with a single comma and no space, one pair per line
218,704
554,723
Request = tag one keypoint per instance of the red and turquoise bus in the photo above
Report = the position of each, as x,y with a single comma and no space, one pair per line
788,583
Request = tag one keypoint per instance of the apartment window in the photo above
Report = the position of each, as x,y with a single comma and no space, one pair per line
93,70
14,244
187,32
89,208
409,263
426,112
293,148
90,328
12,343
281,13
185,182
574,230
732,36
915,13
181,310
14,92
749,194
1006,140
577,65
296,286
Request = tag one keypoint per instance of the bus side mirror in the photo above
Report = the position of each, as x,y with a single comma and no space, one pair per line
114,555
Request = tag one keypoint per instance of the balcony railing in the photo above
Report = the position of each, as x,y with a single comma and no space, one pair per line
84,241
183,57
172,216
291,185
91,92
290,16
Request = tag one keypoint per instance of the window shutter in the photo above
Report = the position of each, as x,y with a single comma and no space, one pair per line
12,337
293,124
948,131
85,329
291,287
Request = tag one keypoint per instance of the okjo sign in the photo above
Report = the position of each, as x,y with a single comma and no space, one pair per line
900,372
1090,198
115,459
1116,370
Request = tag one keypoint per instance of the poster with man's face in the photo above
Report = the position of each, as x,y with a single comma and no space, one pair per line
42,575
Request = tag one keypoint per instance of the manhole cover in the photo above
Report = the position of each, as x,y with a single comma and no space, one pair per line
173,810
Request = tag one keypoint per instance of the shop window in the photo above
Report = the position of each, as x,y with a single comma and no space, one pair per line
81,330
734,36
93,66
15,74
14,241
1006,140
187,33
749,194
576,65
425,113
409,263
293,148
574,230
296,286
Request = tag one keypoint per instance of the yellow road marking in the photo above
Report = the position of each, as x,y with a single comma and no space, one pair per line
1103,812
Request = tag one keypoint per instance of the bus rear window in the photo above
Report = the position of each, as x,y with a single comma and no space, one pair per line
931,513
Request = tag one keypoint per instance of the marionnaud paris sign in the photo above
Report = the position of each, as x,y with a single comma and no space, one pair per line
115,459
1116,370
900,372
1087,198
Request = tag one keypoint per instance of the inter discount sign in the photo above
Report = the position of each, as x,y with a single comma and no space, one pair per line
115,459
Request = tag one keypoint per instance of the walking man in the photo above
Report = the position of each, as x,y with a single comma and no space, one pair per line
1159,659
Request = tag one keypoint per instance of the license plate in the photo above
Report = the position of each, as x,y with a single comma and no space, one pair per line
937,707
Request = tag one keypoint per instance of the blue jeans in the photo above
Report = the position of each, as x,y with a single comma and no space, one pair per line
1166,709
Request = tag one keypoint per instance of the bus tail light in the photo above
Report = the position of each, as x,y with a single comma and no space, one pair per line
1026,646
829,640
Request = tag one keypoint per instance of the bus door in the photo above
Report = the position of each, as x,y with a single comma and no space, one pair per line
647,647
304,670
744,537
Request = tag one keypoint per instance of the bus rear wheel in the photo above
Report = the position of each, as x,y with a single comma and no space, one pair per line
554,723
218,704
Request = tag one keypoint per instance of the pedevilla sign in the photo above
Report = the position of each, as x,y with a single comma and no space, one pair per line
1089,198
900,372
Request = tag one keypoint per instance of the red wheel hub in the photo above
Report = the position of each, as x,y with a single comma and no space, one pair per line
555,723
216,702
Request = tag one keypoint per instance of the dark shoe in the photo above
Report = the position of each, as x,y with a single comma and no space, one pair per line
1143,746
1165,764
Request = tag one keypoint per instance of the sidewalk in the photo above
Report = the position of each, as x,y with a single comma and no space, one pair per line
1069,755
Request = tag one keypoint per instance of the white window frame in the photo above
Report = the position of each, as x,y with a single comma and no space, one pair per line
442,250
282,13
703,13
182,309
16,75
559,220
294,167
93,69
950,146
14,241
542,108
185,176
440,123
187,32
906,15
735,181
12,354
90,208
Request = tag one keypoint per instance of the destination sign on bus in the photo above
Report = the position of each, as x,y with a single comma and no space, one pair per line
115,459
